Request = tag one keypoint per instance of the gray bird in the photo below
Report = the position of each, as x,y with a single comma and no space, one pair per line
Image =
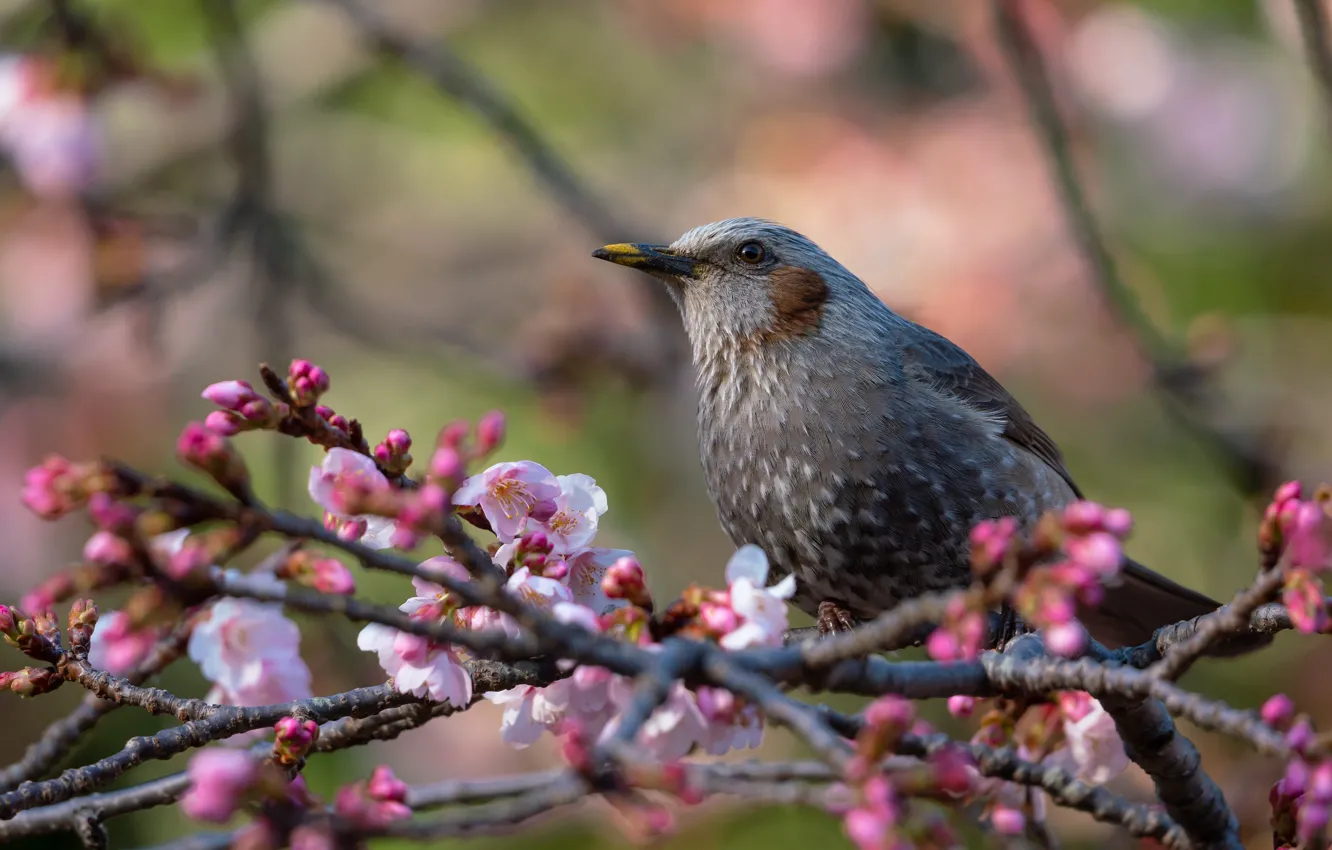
854,446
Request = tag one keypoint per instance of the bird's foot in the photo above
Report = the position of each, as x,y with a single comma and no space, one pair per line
833,618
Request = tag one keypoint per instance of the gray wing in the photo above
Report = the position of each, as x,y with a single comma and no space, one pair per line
932,359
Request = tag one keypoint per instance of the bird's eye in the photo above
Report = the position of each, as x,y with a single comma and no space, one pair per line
750,252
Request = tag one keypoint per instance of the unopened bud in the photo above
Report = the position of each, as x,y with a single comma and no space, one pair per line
82,621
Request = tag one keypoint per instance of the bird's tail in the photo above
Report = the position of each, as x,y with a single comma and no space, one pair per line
1144,601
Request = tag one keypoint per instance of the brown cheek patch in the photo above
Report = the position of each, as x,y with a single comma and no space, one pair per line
798,297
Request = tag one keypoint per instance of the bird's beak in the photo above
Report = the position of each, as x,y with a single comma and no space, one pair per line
649,258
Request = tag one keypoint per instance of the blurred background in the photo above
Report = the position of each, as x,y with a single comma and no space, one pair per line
188,188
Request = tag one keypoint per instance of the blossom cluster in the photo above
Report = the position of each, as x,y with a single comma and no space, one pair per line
544,557
1296,537
1069,559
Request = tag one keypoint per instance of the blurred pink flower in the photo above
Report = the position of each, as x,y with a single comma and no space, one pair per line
115,648
219,779
250,651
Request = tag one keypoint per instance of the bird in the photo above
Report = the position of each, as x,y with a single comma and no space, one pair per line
856,447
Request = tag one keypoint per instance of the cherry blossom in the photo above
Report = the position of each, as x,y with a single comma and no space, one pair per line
342,468
1093,750
761,609
417,665
219,780
116,647
250,652
507,493
578,508
587,570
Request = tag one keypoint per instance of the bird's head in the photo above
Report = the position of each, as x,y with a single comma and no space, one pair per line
743,280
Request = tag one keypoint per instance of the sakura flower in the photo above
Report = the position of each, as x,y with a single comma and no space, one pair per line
762,609
519,727
587,570
507,493
242,645
1094,751
344,468
577,509
672,730
267,681
417,665
219,780
116,648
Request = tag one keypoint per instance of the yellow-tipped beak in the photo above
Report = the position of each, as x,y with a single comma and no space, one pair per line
648,258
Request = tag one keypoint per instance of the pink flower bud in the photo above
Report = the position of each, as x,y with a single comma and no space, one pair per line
542,511
537,541
1083,517
1320,783
399,441
1312,819
1300,736
556,570
953,770
9,619
107,548
1098,551
384,785
55,488
890,712
1278,711
490,432
33,681
1287,492
447,464
867,829
224,423
306,382
294,737
454,434
717,619
960,706
1006,821
332,576
942,645
1066,639
211,453
1119,522
230,395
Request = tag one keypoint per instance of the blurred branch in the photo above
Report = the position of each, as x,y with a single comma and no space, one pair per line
1314,30
454,78
1184,387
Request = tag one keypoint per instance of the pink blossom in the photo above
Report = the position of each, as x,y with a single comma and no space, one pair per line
1068,639
245,647
1278,711
507,493
625,580
1093,750
438,674
116,648
1303,597
1308,536
344,468
672,730
307,382
960,635
960,706
761,609
587,573
51,136
293,738
230,395
490,429
1098,551
578,507
219,780
55,488
732,724
105,547
519,727
1008,821
415,664
990,542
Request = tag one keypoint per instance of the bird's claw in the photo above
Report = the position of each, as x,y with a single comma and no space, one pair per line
833,618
